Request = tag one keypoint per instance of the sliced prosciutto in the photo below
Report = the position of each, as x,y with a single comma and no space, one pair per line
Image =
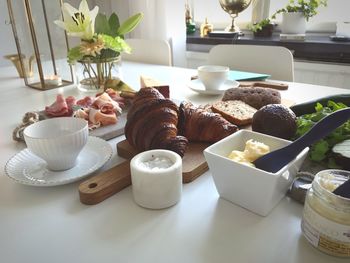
107,108
98,111
85,102
82,113
98,117
59,108
70,100
115,96
103,99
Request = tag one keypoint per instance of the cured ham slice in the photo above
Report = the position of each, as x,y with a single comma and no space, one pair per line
96,117
103,99
85,102
107,108
70,100
98,111
116,97
82,113
59,108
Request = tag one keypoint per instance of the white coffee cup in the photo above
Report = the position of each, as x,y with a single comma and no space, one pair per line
156,177
58,141
212,76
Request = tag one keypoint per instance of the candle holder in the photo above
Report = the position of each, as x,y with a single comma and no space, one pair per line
37,37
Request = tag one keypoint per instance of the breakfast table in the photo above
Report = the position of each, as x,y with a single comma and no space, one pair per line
50,224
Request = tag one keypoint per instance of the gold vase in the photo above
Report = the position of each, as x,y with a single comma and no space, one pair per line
27,70
233,8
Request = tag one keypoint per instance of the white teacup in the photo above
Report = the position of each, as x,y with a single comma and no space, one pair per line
58,141
212,76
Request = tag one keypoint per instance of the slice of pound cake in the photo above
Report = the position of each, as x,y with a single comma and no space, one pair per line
235,111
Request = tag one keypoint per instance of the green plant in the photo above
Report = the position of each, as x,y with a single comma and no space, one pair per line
259,26
307,7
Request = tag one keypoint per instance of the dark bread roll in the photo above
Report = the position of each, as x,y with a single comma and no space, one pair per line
256,97
276,120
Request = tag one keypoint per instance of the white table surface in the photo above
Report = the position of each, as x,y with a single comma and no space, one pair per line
49,224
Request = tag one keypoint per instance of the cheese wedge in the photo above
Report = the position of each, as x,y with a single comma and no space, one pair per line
148,82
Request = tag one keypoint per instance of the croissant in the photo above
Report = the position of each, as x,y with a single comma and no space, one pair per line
152,123
197,124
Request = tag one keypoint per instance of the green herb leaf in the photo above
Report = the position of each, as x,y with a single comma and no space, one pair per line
102,25
114,24
336,106
303,126
319,150
129,24
74,54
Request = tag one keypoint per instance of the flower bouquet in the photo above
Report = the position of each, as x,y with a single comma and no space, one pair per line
101,42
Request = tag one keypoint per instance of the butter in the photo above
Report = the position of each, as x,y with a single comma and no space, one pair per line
239,157
252,151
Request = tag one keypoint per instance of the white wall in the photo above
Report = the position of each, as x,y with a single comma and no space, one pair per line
8,45
169,17
163,19
7,42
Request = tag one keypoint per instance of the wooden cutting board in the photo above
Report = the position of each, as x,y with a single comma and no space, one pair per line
264,84
193,162
100,187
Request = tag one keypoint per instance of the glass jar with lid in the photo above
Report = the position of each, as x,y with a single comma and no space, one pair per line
326,216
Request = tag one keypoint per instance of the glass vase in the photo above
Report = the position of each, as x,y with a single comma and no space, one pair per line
97,75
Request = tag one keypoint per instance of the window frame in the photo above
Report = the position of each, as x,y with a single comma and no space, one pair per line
260,11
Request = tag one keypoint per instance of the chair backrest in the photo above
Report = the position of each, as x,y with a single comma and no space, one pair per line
273,60
149,51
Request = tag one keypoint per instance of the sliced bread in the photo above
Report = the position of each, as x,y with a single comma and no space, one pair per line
235,111
256,97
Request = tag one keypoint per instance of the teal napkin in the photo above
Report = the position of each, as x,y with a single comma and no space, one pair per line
242,75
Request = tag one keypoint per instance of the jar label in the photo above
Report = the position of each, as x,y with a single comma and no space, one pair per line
329,236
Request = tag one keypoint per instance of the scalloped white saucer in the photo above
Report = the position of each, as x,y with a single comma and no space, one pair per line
27,168
197,86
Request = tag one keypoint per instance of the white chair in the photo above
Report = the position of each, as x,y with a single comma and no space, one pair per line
149,51
273,60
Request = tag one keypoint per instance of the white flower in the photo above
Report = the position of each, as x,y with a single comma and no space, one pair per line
79,23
